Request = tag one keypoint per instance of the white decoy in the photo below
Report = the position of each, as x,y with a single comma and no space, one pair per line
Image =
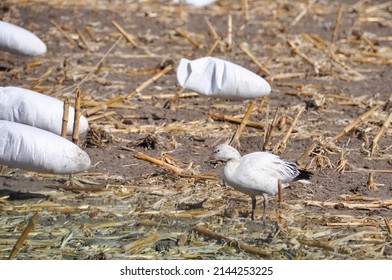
17,40
36,109
218,78
194,3
257,173
30,148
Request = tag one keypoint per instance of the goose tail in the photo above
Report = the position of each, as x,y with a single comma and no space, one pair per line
303,176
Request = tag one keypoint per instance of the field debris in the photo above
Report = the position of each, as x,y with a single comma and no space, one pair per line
153,191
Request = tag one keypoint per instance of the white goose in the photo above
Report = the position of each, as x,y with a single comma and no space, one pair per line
257,173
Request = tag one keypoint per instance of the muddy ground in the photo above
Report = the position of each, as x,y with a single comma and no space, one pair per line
132,209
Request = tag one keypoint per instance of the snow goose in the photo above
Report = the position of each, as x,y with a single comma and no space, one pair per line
257,173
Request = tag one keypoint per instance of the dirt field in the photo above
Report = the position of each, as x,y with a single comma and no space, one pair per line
332,61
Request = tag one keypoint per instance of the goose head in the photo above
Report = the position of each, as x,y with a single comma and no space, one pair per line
225,152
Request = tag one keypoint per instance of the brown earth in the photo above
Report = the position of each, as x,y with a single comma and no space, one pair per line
127,200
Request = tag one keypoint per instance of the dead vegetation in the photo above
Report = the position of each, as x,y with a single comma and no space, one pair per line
152,192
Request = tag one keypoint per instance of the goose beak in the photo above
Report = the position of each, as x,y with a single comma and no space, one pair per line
215,162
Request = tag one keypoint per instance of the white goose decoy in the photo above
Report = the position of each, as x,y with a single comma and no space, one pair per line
218,78
257,173
30,148
35,109
194,3
17,40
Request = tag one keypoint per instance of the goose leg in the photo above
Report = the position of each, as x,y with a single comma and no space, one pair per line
265,206
253,206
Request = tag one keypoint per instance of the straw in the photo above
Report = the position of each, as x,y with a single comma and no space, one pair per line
229,39
370,181
381,132
66,36
94,68
245,9
141,242
271,127
24,235
65,118
189,38
243,47
232,242
43,77
147,83
337,23
213,47
222,117
318,244
303,12
307,153
281,147
356,122
235,140
211,28
75,133
388,225
83,39
152,205
158,162
126,35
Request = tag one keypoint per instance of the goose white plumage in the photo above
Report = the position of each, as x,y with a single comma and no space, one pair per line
257,173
